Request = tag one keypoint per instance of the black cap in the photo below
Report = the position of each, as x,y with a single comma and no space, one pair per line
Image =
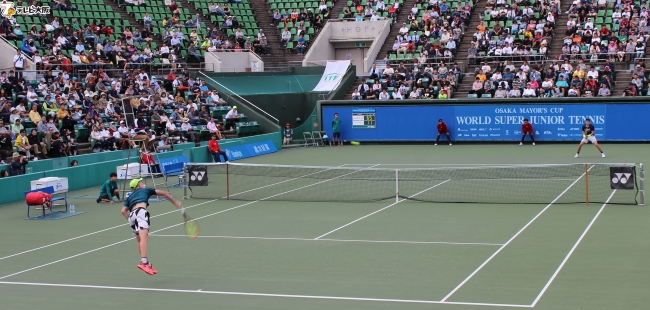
525,119
440,120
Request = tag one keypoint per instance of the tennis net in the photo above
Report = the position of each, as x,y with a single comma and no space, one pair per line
534,184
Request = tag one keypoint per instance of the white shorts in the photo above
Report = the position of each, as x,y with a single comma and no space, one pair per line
591,139
139,219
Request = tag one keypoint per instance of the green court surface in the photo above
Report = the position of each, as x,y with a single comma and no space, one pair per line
343,255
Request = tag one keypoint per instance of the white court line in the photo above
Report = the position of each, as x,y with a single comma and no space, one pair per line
384,208
557,271
168,227
513,238
122,225
339,240
453,165
145,289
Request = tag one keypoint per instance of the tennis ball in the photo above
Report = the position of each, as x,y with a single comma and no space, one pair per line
355,143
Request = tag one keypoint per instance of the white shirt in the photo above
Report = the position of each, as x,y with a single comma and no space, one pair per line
164,50
593,74
384,96
170,126
19,61
105,133
62,40
529,92
397,95
232,113
31,96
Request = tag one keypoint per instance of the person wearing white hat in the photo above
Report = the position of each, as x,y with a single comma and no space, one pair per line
18,164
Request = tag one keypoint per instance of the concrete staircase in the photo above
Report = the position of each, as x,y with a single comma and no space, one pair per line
394,29
131,18
388,44
465,44
623,79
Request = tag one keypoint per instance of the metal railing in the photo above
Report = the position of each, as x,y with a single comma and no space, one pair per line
28,59
232,93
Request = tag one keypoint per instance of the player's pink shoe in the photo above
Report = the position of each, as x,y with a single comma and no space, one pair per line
148,268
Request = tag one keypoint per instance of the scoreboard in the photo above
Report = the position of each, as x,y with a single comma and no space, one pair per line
364,118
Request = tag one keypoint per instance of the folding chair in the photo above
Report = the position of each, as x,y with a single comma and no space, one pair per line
318,139
308,137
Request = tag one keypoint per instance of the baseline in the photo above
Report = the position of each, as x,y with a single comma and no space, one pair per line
339,240
575,246
126,288
512,238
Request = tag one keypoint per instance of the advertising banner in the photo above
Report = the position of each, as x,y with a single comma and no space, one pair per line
250,150
334,72
492,122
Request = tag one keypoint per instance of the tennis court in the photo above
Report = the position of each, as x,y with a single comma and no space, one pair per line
389,254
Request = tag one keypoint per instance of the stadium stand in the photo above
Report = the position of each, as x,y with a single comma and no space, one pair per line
418,57
67,107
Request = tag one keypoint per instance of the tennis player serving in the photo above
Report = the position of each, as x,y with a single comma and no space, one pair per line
588,134
135,211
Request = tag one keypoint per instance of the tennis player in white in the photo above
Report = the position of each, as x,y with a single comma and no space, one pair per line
588,134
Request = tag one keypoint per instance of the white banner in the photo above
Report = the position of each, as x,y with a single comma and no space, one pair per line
334,72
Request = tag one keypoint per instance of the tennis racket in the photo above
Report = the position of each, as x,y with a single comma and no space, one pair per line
192,229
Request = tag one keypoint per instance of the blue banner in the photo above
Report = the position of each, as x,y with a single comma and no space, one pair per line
173,160
250,150
495,122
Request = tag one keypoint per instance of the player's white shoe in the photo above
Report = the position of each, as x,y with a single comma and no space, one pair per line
577,155
602,155
449,143
521,143
533,143
435,144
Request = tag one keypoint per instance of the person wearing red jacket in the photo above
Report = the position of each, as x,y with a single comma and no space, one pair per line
215,150
526,128
442,128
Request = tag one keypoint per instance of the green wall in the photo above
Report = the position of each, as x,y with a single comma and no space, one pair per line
283,104
93,169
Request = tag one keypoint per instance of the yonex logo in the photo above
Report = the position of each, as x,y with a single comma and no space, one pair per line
621,178
197,175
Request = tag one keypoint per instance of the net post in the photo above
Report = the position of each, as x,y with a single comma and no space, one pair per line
396,185
185,181
587,184
227,183
642,185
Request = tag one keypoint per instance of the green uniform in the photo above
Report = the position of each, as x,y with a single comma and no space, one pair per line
139,195
336,125
108,189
